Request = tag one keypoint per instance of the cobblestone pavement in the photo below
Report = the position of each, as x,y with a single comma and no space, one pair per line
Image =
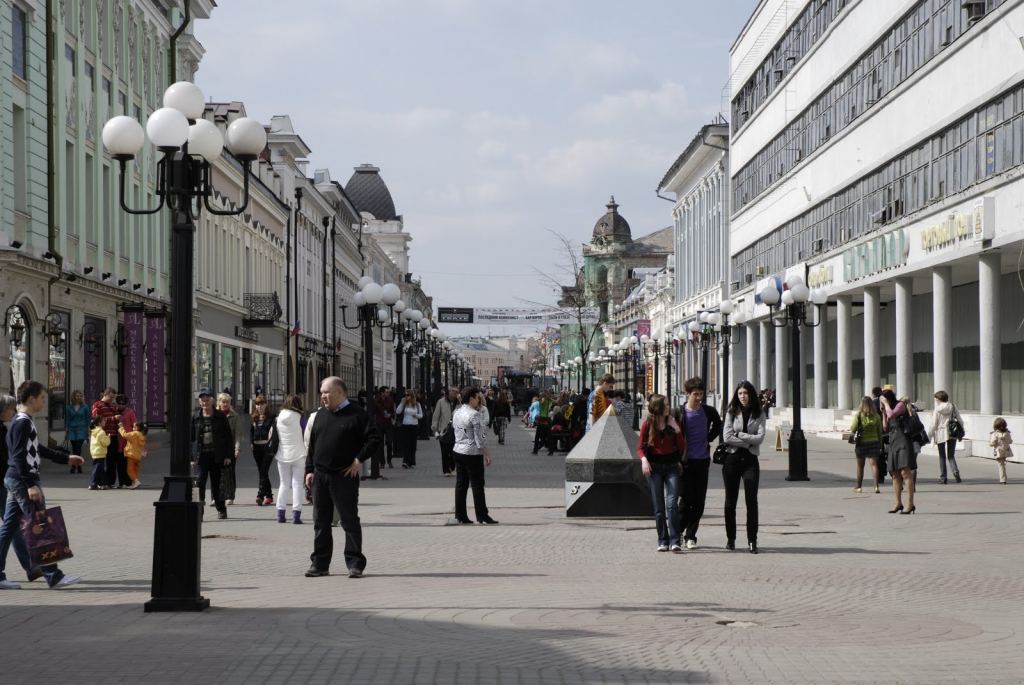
842,591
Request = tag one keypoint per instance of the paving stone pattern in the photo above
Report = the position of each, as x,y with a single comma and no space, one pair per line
842,591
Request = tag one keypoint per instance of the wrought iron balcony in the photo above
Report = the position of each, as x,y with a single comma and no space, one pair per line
261,310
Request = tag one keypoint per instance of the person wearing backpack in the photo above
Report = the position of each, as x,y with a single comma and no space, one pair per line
947,429
902,456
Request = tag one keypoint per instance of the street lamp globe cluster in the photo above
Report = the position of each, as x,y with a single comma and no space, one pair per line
795,297
189,145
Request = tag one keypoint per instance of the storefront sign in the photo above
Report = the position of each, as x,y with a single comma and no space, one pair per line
821,276
650,379
970,224
247,334
155,358
876,255
134,363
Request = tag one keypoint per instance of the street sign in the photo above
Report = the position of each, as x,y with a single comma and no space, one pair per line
455,315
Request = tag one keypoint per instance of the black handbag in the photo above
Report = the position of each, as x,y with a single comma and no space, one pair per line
955,429
854,437
721,452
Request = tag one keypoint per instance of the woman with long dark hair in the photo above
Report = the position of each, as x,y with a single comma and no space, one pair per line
743,432
259,434
901,453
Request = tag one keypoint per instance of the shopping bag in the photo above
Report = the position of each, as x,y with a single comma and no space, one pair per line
46,537
227,483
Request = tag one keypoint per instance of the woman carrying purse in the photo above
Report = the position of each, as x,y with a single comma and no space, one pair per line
866,437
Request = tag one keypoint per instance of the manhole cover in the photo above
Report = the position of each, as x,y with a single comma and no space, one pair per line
737,624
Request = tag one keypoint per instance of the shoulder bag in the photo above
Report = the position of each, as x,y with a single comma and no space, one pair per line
955,427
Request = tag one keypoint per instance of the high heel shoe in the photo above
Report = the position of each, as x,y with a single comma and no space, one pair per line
898,509
487,520
911,510
753,547
464,521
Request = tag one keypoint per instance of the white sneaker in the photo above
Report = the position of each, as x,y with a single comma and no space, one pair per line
135,484
691,544
9,585
662,548
676,549
68,580
230,501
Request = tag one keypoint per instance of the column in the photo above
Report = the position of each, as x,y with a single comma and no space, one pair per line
942,327
872,370
750,332
990,351
820,356
782,366
904,338
763,359
844,369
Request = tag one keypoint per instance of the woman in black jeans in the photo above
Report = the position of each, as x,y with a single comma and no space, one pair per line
743,432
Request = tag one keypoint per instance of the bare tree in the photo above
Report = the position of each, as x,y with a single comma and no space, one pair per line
573,300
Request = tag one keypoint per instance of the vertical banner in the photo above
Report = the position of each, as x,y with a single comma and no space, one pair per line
155,341
94,342
134,362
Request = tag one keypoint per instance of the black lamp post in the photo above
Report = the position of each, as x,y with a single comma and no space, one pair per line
375,308
702,339
795,299
190,145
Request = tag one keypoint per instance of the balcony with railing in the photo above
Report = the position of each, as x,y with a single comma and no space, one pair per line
261,310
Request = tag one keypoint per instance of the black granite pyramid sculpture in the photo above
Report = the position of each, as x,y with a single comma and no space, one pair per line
603,477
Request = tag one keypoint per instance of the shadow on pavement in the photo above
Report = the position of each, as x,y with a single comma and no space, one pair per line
833,550
301,644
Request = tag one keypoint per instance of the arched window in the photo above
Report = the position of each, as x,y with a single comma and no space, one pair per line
18,329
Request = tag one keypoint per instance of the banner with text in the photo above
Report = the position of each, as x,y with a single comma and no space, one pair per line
134,363
532,315
156,323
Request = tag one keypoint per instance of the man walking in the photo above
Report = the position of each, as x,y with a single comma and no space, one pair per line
342,438
701,425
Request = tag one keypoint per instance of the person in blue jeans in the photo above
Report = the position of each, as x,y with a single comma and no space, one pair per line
661,450
8,405
24,492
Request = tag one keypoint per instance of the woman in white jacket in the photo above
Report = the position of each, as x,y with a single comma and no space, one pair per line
408,414
290,456
944,411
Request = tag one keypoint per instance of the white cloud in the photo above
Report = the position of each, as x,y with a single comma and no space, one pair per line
488,123
668,102
585,162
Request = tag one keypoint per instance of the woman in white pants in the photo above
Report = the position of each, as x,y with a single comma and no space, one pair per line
291,457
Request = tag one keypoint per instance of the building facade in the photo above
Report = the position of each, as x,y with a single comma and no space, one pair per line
72,263
886,171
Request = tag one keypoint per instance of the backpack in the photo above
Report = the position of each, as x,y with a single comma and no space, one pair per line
913,428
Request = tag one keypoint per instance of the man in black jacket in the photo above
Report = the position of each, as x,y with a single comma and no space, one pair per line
214,449
702,425
342,438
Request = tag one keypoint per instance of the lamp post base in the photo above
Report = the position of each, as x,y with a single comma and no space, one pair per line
797,456
177,549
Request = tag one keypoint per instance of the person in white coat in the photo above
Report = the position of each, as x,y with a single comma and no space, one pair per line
290,456
408,414
944,411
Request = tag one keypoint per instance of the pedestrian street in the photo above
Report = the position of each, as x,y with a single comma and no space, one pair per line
841,591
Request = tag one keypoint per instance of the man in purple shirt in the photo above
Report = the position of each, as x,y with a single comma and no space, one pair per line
702,425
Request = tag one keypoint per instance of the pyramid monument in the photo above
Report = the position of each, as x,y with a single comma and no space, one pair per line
603,477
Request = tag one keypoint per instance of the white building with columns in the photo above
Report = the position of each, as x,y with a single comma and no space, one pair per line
876,150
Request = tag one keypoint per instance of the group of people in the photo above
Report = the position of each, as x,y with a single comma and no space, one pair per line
887,433
117,440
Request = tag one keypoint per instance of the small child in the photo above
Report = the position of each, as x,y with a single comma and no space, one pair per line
1000,441
134,450
99,441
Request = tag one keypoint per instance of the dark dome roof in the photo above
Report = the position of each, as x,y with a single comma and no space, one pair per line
369,193
612,227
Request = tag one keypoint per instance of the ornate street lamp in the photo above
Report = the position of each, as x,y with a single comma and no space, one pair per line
87,337
14,323
190,145
795,299
375,308
53,329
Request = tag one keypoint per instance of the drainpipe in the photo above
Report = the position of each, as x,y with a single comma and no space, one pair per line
172,53
325,222
51,138
334,299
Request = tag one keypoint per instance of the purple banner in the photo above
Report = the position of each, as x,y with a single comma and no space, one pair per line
155,357
134,362
94,342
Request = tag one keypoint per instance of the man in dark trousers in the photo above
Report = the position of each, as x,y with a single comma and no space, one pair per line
702,425
342,438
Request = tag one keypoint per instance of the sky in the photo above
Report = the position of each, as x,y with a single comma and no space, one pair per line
496,123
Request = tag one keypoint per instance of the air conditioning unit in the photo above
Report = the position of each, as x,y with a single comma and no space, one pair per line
975,10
